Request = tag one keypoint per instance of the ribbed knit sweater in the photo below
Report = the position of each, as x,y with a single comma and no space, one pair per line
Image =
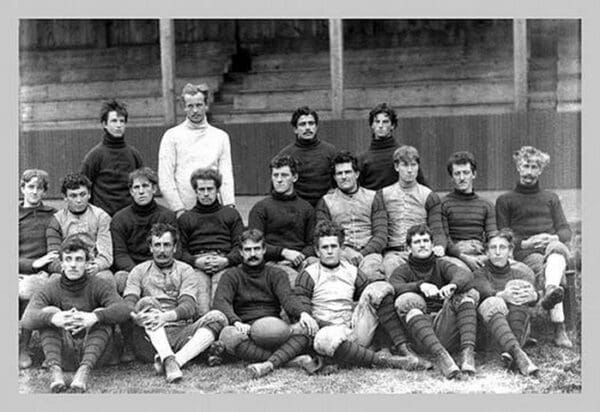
108,165
211,228
466,216
527,210
287,222
314,173
129,229
248,293
33,222
491,279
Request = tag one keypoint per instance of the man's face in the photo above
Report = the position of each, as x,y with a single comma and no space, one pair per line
498,251
420,246
206,191
195,107
306,127
283,180
463,177
329,250
73,264
162,249
77,199
115,124
142,191
345,177
407,170
529,172
253,252
33,192
382,126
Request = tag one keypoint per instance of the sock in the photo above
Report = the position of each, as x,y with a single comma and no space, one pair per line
95,342
51,340
390,321
291,348
422,330
250,351
518,318
557,313
353,353
466,321
498,326
160,342
555,268
195,346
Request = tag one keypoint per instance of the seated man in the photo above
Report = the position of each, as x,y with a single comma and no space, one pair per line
162,295
409,203
209,235
541,230
130,226
427,285
360,212
506,295
343,332
74,314
80,217
34,258
287,221
253,291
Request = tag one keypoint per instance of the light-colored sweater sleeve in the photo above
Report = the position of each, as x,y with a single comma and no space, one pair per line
167,160
226,170
104,241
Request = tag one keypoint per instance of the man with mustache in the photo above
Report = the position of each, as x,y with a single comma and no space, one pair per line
161,294
287,221
312,154
193,144
541,232
110,161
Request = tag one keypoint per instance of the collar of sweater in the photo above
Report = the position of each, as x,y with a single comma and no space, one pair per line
381,144
528,189
421,265
282,196
144,210
348,194
196,126
457,194
113,142
307,143
41,206
253,270
497,271
73,285
200,208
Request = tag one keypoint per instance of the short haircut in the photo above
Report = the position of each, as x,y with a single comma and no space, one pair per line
406,154
254,235
421,229
206,174
385,109
282,161
73,181
303,111
531,154
461,158
142,173
505,233
344,157
159,229
113,106
192,89
75,243
41,175
328,228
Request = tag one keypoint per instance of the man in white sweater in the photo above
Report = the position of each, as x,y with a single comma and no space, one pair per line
191,145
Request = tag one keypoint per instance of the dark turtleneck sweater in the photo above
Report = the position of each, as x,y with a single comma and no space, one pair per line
130,227
491,279
408,277
528,211
248,293
33,222
211,228
108,165
314,173
87,294
377,165
466,216
287,222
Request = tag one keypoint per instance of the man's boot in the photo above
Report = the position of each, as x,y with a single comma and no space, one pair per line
405,350
560,336
215,353
467,360
552,295
260,369
524,364
58,379
172,370
446,364
388,360
79,383
24,355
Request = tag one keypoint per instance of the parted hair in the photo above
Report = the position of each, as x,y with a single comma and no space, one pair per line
254,235
385,109
303,111
341,157
406,154
73,181
159,229
74,243
145,173
113,106
505,233
328,228
282,161
41,175
461,158
421,229
192,89
206,174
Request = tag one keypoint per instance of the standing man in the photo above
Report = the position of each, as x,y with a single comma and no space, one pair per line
313,155
75,314
109,163
409,203
209,235
287,221
428,285
162,295
376,164
541,230
360,212
193,144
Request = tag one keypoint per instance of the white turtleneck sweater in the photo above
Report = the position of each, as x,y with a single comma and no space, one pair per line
185,148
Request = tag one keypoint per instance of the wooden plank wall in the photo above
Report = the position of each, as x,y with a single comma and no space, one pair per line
492,138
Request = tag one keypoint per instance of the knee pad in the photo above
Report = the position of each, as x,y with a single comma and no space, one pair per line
492,305
471,295
408,301
558,248
231,338
214,320
329,338
376,291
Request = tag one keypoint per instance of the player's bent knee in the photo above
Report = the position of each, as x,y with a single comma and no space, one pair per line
328,339
378,290
408,301
214,320
231,338
491,306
